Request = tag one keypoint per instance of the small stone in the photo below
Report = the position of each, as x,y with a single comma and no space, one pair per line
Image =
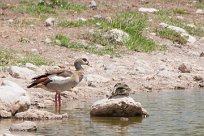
150,10
82,19
10,20
31,66
201,84
24,126
202,54
97,17
48,40
124,119
200,11
184,69
34,50
91,84
58,41
197,78
50,21
93,5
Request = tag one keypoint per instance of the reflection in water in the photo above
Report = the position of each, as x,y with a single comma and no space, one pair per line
171,113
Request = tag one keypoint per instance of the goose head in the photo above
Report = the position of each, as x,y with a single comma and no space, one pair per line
79,62
121,88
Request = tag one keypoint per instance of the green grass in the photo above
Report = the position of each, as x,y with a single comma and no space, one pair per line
132,23
171,35
168,17
4,5
180,11
45,9
200,5
8,58
65,42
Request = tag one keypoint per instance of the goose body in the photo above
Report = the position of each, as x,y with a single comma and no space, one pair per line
60,80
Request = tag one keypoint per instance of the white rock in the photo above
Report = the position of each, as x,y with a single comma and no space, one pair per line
184,33
10,20
119,107
117,35
82,19
31,66
48,40
96,78
50,21
20,72
24,126
34,50
191,25
150,10
13,98
200,11
92,4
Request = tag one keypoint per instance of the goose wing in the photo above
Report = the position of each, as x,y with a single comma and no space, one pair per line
50,76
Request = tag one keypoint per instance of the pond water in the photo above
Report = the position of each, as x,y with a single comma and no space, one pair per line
172,113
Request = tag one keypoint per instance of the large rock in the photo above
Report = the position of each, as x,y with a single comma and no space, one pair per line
184,33
35,114
24,126
118,107
20,72
13,99
116,36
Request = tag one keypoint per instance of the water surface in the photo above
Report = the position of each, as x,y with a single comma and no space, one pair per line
172,113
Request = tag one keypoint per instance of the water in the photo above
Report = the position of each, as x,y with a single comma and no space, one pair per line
172,113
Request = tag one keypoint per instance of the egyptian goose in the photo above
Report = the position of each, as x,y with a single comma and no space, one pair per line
120,89
60,80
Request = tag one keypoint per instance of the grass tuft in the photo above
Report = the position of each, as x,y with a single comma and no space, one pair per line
171,35
46,8
8,58
132,23
180,11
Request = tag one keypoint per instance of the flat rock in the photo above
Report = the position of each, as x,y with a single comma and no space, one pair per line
24,126
35,114
13,99
150,10
21,72
117,107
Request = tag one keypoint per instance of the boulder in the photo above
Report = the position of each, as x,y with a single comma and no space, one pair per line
20,72
116,36
35,114
24,126
13,99
117,107
184,33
